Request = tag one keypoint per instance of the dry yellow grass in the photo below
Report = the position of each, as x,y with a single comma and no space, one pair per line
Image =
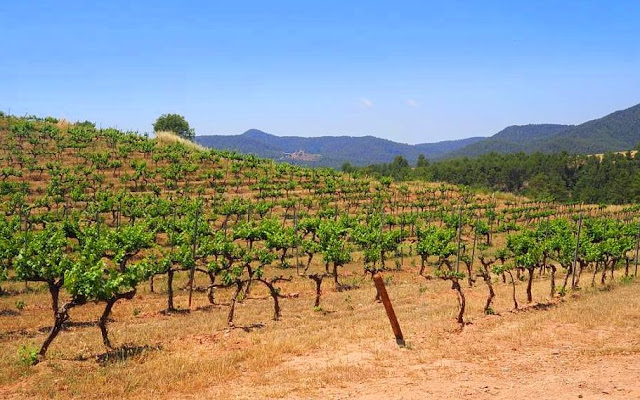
311,354
170,137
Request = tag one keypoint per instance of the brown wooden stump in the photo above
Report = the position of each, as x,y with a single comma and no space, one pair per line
384,296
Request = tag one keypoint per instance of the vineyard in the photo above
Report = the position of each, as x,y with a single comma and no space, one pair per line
151,256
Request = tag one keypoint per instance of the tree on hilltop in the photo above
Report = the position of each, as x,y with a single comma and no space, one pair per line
175,123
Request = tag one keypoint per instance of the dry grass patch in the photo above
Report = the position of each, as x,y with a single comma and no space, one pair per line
308,352
170,137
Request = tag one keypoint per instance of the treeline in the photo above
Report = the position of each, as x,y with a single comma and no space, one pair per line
612,178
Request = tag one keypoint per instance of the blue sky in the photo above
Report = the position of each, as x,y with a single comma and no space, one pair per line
407,71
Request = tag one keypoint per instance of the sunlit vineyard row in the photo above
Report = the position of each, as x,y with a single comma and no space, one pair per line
92,214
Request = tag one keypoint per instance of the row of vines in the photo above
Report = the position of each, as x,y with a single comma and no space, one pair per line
92,214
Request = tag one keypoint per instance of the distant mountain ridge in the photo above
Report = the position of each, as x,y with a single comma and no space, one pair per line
617,131
332,151
511,139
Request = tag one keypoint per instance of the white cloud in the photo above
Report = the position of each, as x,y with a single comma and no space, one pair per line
366,103
412,103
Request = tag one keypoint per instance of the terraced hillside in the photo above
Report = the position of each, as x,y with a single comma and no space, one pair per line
137,267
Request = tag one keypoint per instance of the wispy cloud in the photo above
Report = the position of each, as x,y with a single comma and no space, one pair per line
366,103
412,103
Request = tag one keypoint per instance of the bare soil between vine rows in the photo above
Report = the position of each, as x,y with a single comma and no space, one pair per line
595,363
584,346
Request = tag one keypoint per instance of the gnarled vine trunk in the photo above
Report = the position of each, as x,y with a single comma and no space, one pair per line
486,276
170,306
317,278
553,280
210,291
234,299
62,315
530,284
462,303
54,290
104,318
513,292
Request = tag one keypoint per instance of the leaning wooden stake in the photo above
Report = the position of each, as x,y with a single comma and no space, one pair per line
193,254
459,238
575,255
635,273
382,291
295,235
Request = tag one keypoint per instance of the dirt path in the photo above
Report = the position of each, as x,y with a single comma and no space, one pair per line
532,354
609,377
586,345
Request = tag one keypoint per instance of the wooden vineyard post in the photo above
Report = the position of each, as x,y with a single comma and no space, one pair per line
295,235
493,204
459,237
384,296
575,255
635,273
400,246
194,243
473,249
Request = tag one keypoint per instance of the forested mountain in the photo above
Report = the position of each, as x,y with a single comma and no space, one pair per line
330,151
618,131
512,139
